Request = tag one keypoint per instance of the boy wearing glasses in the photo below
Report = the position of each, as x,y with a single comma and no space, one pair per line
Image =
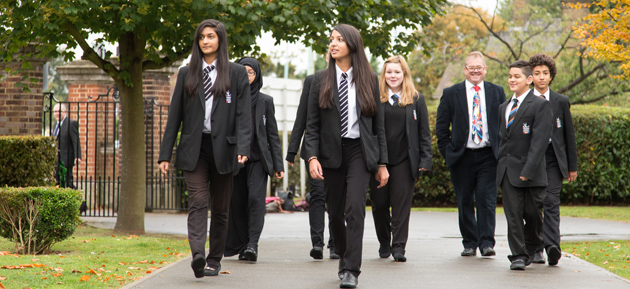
467,130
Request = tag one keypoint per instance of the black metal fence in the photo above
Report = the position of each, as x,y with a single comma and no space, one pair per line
98,176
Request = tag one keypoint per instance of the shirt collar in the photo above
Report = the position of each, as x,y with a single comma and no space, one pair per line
392,93
520,97
546,94
339,72
469,85
206,64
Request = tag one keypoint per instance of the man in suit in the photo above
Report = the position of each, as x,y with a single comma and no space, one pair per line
66,131
561,156
524,135
317,201
470,150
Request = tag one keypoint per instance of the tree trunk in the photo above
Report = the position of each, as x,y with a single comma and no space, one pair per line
133,172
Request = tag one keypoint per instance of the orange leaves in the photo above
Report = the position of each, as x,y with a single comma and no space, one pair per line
84,278
22,266
3,253
1,286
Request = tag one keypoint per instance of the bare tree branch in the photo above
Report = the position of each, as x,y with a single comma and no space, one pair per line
581,78
563,45
89,53
495,59
497,36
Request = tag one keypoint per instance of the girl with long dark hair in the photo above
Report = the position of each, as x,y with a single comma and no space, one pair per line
211,104
345,141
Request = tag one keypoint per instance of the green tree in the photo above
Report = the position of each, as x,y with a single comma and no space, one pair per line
154,34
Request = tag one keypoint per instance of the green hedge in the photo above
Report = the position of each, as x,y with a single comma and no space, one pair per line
27,161
56,211
603,143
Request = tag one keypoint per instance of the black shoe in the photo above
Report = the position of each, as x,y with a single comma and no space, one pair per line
469,252
517,264
341,272
539,258
399,257
317,252
197,264
333,255
241,256
211,270
348,281
487,251
384,251
554,254
250,254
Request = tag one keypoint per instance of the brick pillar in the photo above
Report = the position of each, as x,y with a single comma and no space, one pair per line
20,110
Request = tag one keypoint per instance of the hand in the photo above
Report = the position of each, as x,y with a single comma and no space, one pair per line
242,159
382,176
315,169
524,179
572,176
279,175
422,170
77,162
164,167
290,163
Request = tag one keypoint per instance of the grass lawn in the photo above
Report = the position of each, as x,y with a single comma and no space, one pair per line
91,258
613,256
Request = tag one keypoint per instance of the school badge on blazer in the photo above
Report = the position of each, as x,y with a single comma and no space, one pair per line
228,97
525,128
558,123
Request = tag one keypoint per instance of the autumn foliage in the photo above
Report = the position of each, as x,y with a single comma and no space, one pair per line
606,31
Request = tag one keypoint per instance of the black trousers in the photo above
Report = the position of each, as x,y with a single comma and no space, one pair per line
551,205
247,208
317,212
474,182
346,189
398,193
523,204
202,182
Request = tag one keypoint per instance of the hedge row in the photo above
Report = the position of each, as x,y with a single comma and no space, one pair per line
27,161
35,218
603,144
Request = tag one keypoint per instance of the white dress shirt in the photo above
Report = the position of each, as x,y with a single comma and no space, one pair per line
511,103
470,94
207,121
546,94
353,119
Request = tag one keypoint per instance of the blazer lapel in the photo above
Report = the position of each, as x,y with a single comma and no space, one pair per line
488,91
336,95
502,108
260,110
215,103
462,99
202,96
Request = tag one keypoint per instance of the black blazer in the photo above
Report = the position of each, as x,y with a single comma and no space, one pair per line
453,110
418,135
231,123
267,135
323,130
300,123
69,144
522,148
563,137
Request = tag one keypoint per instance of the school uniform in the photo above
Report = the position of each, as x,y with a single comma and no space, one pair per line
408,148
347,162
213,133
561,158
522,149
317,201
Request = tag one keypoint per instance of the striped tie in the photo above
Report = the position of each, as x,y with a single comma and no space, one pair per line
207,81
343,101
512,113
395,99
477,124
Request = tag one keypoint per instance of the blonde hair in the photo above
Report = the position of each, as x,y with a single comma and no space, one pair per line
475,54
409,92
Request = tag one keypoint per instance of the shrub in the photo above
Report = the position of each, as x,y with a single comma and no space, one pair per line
27,161
35,218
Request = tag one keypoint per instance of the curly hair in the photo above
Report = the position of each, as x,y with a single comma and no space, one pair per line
542,59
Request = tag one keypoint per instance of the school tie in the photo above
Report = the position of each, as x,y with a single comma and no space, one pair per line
477,124
395,98
207,81
343,102
543,96
512,112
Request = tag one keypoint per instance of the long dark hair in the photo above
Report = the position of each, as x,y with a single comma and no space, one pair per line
362,75
222,83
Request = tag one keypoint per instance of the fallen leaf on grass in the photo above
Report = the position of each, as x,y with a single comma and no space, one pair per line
149,272
56,274
85,278
134,268
76,271
1,286
92,272
2,253
142,262
3,278
22,266
44,278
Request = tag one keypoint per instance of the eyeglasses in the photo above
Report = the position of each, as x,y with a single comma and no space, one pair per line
251,73
56,111
474,68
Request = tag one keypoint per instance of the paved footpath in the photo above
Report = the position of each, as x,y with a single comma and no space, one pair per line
432,251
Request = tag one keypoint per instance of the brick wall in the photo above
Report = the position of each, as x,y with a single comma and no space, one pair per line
21,110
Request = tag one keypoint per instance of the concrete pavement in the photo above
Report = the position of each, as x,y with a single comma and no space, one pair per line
432,251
